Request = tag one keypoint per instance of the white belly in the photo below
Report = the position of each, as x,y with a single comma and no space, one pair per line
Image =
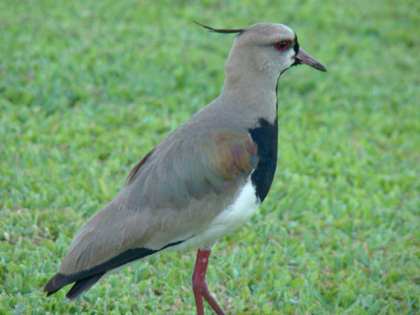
227,221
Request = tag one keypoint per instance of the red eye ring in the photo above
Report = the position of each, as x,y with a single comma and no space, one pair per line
283,45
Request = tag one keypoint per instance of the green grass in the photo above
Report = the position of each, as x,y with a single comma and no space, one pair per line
88,87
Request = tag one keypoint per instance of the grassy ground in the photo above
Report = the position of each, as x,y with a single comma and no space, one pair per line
88,87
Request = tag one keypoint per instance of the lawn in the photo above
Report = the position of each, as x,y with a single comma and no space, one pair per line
88,87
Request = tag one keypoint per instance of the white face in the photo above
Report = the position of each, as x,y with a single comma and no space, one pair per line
265,51
275,59
272,47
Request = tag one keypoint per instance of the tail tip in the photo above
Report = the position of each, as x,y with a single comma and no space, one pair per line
55,283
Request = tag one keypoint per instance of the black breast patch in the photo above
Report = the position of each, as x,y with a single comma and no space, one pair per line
265,136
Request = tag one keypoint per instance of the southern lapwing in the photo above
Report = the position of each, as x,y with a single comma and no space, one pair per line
202,181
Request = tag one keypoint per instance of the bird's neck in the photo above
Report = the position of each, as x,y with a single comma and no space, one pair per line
253,94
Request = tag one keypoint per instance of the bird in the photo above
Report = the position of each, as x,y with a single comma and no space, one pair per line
201,182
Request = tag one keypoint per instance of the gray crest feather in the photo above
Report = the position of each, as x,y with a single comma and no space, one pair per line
220,30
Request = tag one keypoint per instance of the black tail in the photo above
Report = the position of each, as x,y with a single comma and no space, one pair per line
60,280
82,285
85,279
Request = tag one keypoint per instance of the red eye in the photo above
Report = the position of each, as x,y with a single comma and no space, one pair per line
282,46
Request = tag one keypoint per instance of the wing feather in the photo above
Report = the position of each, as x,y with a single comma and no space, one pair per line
171,195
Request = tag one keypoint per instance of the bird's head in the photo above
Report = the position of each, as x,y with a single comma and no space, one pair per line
266,47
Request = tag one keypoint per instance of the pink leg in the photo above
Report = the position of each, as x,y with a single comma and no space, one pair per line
200,284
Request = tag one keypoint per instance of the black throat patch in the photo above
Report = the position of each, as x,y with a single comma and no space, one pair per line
265,136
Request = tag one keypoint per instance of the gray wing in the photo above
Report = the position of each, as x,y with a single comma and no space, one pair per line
171,194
